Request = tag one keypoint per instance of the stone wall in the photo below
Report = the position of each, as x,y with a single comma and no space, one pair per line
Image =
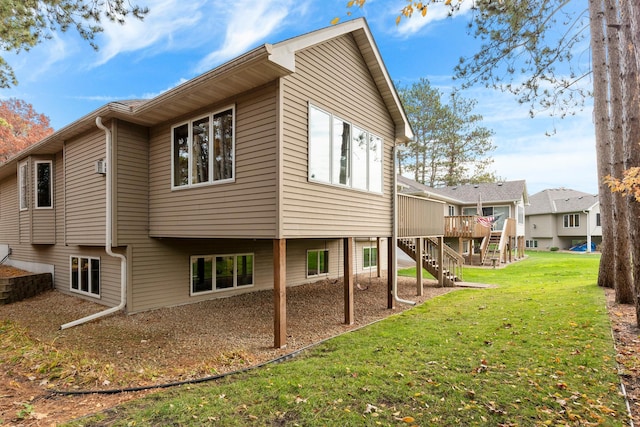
14,289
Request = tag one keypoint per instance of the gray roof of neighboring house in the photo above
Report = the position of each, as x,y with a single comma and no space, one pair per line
494,192
560,200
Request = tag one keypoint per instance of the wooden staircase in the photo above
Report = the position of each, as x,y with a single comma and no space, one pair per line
491,248
452,261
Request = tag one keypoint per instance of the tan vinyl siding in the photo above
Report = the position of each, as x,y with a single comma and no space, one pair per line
244,208
85,191
161,273
333,76
131,215
9,229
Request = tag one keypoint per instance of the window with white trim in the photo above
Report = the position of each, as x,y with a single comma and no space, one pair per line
369,257
571,220
452,210
531,244
210,273
44,184
341,153
85,275
23,185
317,262
203,150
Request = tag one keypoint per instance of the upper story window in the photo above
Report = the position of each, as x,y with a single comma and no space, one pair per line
452,210
598,223
341,153
571,220
23,185
44,184
203,149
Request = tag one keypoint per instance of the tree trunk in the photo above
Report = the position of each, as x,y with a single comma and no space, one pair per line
631,130
623,282
603,152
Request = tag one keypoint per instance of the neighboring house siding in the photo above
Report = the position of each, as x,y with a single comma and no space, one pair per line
85,190
544,226
244,208
334,77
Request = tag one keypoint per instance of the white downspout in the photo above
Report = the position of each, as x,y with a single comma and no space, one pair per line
395,232
108,239
588,250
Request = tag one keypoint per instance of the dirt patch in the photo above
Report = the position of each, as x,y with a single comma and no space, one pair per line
172,344
627,340
8,271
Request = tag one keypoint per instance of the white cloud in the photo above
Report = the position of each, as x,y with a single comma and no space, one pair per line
166,19
435,12
247,22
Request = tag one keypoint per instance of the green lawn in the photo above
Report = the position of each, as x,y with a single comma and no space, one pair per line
537,350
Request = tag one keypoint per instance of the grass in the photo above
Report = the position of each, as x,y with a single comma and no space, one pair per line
537,350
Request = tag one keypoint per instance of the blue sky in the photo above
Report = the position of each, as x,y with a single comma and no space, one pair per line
65,78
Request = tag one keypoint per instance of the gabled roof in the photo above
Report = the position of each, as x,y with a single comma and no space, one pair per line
250,70
560,200
488,193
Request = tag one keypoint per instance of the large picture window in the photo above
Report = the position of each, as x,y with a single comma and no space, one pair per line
85,275
203,150
341,153
317,262
211,273
44,185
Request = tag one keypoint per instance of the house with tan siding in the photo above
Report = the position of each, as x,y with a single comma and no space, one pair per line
563,218
271,170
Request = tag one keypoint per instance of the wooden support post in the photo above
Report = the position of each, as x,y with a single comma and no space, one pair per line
348,281
391,271
378,259
441,260
280,293
419,254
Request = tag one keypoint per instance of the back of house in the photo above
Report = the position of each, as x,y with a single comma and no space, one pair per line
192,194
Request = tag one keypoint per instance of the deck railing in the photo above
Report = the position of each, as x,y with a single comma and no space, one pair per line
464,226
418,216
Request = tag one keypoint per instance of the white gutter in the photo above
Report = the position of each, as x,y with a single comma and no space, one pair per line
394,255
108,239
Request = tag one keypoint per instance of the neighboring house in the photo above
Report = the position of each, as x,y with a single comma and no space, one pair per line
234,181
563,218
484,222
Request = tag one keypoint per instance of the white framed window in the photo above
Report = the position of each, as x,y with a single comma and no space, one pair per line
369,257
203,150
571,220
23,185
85,275
211,273
317,262
531,244
341,153
452,210
44,184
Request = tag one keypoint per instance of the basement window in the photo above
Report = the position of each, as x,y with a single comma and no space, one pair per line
317,262
211,273
85,275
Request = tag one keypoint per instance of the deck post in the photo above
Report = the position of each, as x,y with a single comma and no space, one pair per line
391,271
348,280
280,292
378,260
419,254
441,260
